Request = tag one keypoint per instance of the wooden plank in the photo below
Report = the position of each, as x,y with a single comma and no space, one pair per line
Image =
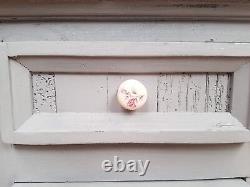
197,183
7,168
167,162
128,49
172,92
78,93
91,128
114,10
218,92
149,81
188,31
7,122
44,92
175,92
130,64
196,93
21,93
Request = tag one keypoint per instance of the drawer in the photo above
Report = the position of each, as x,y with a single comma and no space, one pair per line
65,92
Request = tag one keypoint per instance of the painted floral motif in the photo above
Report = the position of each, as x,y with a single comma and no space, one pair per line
132,98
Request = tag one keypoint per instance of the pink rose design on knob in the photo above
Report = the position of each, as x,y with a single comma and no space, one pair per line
132,94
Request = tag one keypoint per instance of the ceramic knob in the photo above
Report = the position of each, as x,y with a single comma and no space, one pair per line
132,94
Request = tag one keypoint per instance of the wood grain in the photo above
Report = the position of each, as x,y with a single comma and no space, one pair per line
218,92
194,92
186,92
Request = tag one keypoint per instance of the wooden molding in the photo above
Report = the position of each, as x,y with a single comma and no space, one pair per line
197,183
124,10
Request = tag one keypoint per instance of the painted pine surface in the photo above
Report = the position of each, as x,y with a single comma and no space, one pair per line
200,92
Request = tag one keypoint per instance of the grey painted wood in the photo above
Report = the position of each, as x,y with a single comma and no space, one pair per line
92,128
129,49
194,92
174,31
149,81
7,164
44,92
128,64
167,92
248,180
81,93
197,183
241,94
7,122
129,10
172,92
218,92
78,163
21,92
168,162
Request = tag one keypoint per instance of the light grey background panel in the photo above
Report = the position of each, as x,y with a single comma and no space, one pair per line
44,92
126,31
194,92
81,93
149,81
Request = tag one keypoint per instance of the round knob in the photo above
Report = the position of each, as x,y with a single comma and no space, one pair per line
132,94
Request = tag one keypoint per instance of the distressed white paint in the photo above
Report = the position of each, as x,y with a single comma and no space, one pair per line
91,128
218,92
150,82
194,92
172,92
197,183
81,93
44,92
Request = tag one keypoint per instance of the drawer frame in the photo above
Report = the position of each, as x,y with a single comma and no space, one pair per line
169,57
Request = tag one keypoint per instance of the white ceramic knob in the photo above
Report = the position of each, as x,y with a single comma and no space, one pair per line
132,94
